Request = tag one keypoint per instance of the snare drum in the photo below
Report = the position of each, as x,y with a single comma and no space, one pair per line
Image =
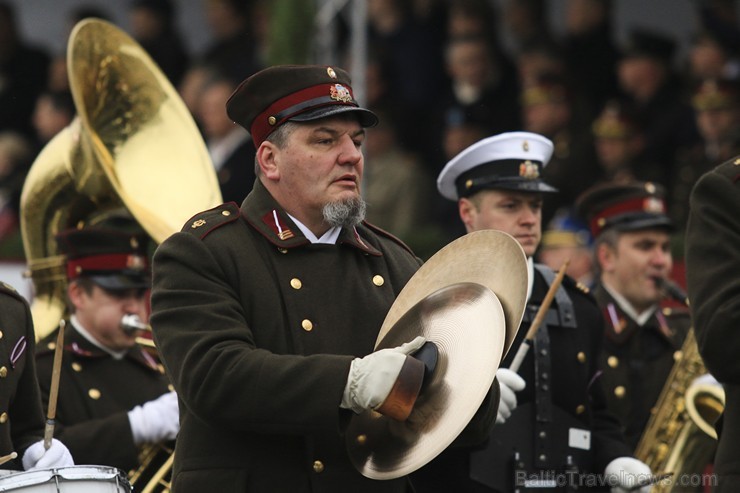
77,479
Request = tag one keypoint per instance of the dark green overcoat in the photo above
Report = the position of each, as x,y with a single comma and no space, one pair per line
257,328
713,280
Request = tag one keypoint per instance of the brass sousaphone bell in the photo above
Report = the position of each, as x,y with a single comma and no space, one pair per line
132,145
468,300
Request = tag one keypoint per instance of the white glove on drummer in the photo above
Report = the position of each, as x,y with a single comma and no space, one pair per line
509,382
371,378
155,421
625,472
36,457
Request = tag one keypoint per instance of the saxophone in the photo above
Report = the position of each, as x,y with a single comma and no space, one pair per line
679,437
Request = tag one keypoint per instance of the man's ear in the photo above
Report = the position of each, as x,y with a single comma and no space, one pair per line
268,157
606,256
75,294
468,212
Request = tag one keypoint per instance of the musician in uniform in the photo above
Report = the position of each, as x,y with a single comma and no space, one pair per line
553,430
21,414
113,395
713,276
266,315
631,233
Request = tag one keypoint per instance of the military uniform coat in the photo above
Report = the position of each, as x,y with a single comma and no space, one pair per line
258,328
575,390
636,360
713,277
96,391
21,414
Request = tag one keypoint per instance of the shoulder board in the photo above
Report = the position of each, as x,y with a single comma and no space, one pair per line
204,222
576,287
9,290
388,235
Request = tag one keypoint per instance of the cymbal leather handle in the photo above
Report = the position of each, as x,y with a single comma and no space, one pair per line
402,397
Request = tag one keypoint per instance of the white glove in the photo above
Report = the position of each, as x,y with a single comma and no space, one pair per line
36,457
625,472
155,421
371,378
509,382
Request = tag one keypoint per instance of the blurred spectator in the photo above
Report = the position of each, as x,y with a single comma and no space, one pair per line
711,57
567,238
192,84
153,26
548,109
23,75
620,143
54,110
229,145
590,52
234,49
540,57
527,22
479,85
397,188
647,78
410,49
716,104
289,30
16,154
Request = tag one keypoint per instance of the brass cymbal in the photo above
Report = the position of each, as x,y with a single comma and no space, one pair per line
489,257
467,324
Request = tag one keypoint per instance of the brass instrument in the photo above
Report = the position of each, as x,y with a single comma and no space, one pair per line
679,436
132,145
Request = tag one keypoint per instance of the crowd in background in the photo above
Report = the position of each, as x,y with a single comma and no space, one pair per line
440,79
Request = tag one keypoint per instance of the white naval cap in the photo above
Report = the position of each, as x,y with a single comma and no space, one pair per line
511,161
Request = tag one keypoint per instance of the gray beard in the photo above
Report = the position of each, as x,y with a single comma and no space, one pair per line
348,213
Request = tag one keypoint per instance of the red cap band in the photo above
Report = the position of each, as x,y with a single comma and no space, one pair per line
298,102
652,205
110,262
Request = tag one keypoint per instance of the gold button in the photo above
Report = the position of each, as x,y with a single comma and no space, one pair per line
307,325
318,466
361,439
601,222
330,72
52,346
667,311
4,418
3,371
378,280
296,283
737,162
580,409
468,183
677,355
94,394
76,366
581,356
619,391
272,120
225,213
1,334
612,361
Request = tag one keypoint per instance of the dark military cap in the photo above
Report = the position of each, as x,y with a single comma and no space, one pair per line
625,207
546,87
716,94
616,121
113,254
299,93
508,161
650,44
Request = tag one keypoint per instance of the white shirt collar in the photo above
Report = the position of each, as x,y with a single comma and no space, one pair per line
627,307
330,237
92,340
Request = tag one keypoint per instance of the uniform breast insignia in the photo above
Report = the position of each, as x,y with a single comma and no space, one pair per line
18,349
198,223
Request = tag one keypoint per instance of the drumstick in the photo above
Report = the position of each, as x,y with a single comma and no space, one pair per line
54,392
539,317
6,458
